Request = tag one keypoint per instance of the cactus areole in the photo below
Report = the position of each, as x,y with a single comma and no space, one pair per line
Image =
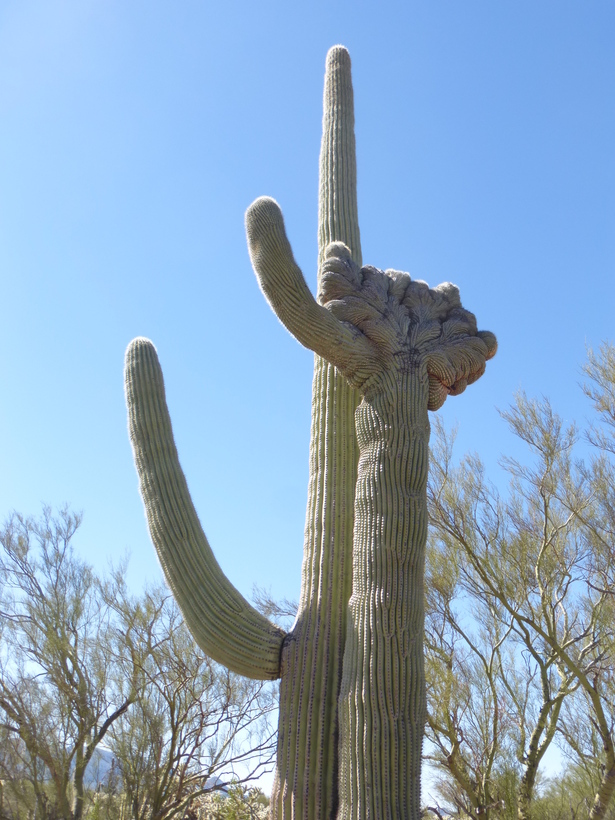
388,349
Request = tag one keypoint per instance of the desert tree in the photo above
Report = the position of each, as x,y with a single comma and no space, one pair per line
468,723
238,802
194,728
529,616
91,671
62,640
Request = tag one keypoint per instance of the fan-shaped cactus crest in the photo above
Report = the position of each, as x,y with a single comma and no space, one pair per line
388,349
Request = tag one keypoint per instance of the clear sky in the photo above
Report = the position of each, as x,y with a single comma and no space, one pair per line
135,134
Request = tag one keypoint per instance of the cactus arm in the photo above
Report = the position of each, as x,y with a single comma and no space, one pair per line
224,624
285,289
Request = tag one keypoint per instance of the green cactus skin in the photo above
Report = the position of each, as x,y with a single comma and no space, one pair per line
406,348
382,702
305,784
243,640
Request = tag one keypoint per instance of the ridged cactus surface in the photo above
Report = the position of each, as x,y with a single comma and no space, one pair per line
309,659
352,692
406,347
223,623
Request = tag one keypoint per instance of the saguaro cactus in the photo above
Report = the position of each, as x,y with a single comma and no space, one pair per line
352,685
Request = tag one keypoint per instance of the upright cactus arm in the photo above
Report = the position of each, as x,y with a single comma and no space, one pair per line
285,289
371,317
224,624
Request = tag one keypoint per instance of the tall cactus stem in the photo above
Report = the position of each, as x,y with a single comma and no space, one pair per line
338,219
306,777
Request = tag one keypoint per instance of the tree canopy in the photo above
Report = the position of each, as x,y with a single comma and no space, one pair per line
107,707
521,612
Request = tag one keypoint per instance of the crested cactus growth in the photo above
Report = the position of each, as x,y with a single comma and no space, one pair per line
406,348
352,699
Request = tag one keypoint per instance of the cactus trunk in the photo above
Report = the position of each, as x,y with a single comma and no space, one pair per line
382,701
305,785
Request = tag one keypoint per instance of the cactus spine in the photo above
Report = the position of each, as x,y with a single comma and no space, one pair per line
351,666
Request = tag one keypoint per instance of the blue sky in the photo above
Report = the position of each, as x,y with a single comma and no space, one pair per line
134,136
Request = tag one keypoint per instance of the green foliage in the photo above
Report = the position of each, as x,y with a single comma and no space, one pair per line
521,604
237,803
64,640
194,722
82,664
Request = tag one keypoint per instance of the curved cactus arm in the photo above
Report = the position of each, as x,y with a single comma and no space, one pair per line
283,284
224,624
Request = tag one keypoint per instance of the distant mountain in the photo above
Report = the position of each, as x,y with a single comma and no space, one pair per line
100,771
214,783
100,768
